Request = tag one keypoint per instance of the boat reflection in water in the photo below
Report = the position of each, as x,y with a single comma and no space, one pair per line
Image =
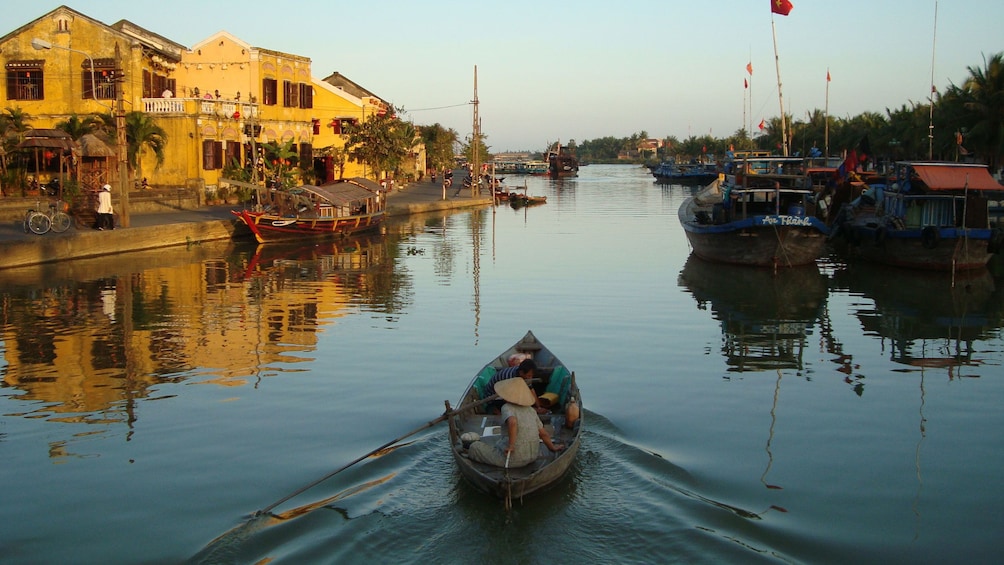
765,317
928,319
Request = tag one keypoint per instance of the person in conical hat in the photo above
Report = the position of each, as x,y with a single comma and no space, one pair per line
518,446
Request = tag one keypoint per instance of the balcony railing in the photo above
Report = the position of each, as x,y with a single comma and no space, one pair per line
201,106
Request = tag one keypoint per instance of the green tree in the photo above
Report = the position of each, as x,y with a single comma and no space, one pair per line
78,126
483,155
13,123
982,96
439,142
280,162
143,134
379,143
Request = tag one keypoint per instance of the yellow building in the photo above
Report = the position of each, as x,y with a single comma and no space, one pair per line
338,108
66,63
218,102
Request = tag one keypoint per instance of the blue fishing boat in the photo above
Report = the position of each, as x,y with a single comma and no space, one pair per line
925,215
762,215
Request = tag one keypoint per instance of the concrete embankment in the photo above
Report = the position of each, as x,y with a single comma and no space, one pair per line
186,227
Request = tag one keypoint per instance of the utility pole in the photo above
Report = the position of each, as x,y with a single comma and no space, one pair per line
120,140
476,141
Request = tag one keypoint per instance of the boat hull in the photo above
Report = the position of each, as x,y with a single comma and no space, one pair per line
549,468
757,241
759,246
931,249
270,227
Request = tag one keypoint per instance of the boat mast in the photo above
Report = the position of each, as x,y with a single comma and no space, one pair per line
780,99
930,123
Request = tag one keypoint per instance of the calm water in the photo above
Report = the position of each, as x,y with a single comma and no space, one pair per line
152,403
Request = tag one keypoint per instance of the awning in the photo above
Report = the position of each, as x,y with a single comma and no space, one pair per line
48,139
344,192
955,176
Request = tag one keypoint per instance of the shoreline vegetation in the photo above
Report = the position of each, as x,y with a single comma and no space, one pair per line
967,123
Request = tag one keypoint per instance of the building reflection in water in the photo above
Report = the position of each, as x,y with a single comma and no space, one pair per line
765,317
99,334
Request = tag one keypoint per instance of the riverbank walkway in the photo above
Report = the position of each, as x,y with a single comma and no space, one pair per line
184,227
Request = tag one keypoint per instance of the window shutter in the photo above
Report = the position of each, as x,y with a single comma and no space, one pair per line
269,91
306,95
207,154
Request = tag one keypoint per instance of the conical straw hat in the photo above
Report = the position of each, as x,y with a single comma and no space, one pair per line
515,391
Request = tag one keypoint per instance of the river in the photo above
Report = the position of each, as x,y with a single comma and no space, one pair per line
151,403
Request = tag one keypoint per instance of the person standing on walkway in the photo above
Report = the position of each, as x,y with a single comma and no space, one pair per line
105,218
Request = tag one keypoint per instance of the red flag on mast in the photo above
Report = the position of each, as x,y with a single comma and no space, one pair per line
781,7
746,83
761,125
749,68
827,75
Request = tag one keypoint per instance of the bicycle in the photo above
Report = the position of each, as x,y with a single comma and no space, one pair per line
38,222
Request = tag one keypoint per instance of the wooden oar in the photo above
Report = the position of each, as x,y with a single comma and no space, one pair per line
429,424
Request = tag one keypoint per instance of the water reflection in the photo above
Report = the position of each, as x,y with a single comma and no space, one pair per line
765,317
925,319
83,340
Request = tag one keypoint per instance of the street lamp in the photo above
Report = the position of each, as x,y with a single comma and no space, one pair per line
40,45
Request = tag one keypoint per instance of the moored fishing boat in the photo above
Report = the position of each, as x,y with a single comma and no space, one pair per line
339,208
563,422
926,215
561,162
671,172
763,214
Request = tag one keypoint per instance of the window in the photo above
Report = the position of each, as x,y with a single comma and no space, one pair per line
269,91
233,154
290,94
306,156
154,85
24,80
212,154
306,96
103,85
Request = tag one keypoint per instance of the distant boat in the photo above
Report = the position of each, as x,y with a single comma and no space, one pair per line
926,215
520,167
561,163
671,172
342,207
761,215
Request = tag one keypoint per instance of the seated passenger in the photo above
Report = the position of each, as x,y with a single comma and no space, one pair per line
525,370
518,447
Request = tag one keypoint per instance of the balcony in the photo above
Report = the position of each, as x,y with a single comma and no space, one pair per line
215,108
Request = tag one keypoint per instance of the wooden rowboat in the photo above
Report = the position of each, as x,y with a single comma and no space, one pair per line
551,377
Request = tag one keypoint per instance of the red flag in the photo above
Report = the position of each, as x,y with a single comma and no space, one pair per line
827,75
781,7
746,83
761,125
749,68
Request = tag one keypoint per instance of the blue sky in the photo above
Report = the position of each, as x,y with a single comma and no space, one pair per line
550,71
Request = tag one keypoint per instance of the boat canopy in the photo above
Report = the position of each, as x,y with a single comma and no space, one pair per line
344,192
956,177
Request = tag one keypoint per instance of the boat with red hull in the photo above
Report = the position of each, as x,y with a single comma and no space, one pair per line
342,207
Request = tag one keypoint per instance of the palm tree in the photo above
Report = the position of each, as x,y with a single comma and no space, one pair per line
78,127
13,124
983,96
143,133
